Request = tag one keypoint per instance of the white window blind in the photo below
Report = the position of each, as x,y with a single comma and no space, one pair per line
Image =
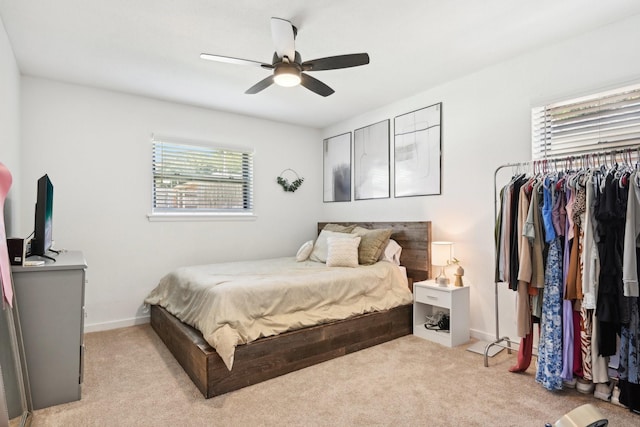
198,179
601,122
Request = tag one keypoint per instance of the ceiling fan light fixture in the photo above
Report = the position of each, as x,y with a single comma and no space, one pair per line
287,75
288,68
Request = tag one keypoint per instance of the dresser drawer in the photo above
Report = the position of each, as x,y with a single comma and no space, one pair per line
432,296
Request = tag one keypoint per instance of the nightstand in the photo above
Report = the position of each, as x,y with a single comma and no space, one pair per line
429,299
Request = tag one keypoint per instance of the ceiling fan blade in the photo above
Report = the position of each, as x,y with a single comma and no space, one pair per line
336,62
315,85
261,85
283,34
230,60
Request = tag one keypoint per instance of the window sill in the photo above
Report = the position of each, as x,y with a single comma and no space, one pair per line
178,217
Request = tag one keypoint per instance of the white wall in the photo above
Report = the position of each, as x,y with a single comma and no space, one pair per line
486,123
10,128
95,145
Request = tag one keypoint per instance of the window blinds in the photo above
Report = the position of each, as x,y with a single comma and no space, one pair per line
605,121
201,179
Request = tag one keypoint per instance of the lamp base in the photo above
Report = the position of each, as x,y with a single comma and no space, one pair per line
442,281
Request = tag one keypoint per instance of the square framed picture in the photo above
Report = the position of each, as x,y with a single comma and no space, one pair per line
371,161
417,150
337,168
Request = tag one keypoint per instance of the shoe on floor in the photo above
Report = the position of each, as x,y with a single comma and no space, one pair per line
603,390
585,386
615,397
570,383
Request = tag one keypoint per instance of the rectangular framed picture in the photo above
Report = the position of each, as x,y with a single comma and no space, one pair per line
337,168
417,150
371,161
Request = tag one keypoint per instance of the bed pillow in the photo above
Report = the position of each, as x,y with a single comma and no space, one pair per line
339,228
372,244
342,252
319,253
391,252
304,251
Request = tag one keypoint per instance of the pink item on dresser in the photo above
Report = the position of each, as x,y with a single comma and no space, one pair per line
5,266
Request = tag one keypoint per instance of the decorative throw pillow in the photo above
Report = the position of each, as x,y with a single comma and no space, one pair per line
339,228
304,251
372,244
319,253
391,252
342,252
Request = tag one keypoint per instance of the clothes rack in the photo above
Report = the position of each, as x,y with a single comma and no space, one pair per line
587,158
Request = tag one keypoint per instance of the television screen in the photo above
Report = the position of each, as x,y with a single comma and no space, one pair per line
43,236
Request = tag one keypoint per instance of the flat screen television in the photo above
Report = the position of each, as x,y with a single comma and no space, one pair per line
43,227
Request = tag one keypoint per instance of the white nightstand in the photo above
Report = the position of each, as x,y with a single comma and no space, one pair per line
429,299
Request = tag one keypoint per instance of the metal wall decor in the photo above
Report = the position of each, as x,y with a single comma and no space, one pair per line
417,149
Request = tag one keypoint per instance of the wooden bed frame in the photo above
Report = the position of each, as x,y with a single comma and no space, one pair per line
270,357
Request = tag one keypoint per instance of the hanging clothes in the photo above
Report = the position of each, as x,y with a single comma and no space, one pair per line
567,303
611,308
533,231
549,370
515,238
523,317
631,238
569,244
502,235
594,365
628,368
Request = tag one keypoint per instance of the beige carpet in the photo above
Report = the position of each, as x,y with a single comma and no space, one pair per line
131,379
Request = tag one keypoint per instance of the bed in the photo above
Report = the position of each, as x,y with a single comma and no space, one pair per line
271,356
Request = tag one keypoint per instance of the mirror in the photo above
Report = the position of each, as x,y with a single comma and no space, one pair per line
14,396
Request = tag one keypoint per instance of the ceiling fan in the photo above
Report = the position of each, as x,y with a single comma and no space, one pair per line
288,68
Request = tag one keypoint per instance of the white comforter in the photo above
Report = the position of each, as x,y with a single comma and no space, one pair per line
239,302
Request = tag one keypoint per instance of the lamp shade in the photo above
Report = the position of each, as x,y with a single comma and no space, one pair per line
441,253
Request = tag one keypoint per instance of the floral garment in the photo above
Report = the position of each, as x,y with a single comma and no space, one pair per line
629,357
549,371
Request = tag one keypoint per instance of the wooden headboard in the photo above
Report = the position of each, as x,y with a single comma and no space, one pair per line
415,239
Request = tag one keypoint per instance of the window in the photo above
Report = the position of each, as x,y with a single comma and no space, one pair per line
191,179
602,122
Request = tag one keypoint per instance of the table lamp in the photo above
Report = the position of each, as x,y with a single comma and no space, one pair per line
441,256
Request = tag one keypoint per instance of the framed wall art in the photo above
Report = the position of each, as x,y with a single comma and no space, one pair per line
417,150
371,161
337,168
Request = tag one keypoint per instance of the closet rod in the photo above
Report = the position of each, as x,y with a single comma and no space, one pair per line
583,156
627,153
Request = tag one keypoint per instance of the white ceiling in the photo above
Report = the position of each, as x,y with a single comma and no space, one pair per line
152,47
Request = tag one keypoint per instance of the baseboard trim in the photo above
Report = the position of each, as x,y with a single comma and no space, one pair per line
482,336
105,326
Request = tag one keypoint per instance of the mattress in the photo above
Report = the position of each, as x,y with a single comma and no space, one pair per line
238,302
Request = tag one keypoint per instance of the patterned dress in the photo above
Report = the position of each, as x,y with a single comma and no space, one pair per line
628,369
549,370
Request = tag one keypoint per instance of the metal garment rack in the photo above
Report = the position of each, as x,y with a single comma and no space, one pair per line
585,159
